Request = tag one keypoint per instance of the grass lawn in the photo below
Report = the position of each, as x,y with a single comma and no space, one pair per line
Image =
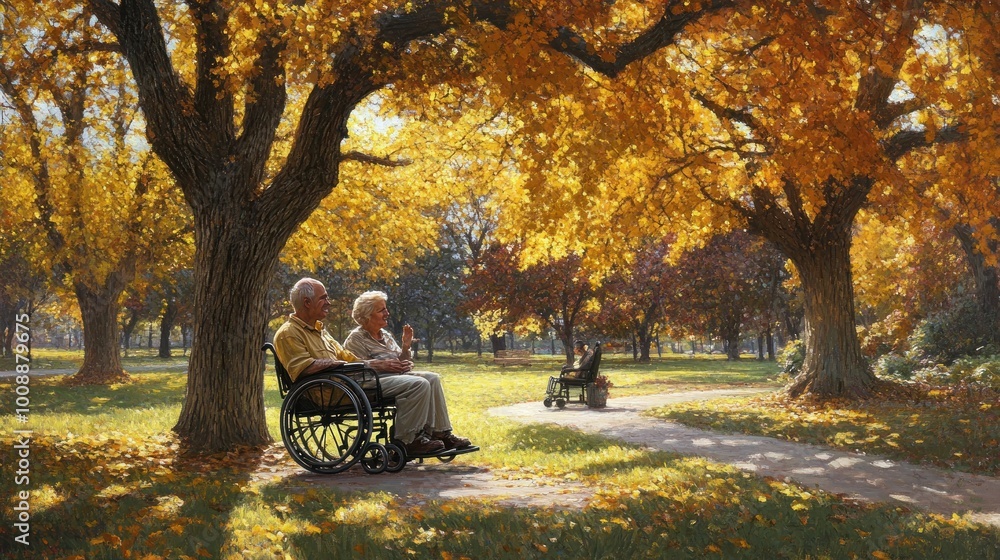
57,358
106,481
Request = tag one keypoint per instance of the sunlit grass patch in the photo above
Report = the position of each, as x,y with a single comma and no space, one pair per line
149,404
44,358
940,427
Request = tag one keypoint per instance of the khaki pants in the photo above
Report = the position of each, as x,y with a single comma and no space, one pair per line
420,403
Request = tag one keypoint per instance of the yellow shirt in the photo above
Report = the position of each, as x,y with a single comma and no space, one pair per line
299,345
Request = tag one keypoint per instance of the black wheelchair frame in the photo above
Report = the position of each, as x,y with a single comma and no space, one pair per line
337,418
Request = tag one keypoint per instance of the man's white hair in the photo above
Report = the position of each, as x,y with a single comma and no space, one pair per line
365,305
305,288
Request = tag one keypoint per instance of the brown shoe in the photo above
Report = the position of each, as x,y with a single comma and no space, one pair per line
422,445
451,441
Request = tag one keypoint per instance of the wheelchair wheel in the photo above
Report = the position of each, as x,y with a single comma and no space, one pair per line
326,424
547,402
396,458
561,403
375,458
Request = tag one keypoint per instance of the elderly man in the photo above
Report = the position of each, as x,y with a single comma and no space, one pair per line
373,341
305,348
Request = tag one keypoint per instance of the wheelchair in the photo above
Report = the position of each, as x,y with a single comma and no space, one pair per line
335,419
563,389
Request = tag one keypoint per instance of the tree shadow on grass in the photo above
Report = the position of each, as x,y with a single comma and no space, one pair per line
147,390
101,498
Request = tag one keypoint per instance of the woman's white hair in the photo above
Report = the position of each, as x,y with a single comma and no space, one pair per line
305,288
365,305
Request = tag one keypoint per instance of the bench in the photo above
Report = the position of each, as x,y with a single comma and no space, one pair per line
512,357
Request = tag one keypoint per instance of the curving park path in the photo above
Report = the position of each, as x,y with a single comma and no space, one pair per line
863,477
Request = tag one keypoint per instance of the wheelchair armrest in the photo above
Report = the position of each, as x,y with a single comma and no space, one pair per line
352,369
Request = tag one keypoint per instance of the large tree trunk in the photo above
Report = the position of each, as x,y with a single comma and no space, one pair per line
101,362
129,328
565,331
731,340
167,325
224,402
430,346
987,281
8,313
498,342
645,340
834,365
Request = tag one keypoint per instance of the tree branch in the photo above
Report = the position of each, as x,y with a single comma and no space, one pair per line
173,128
377,160
213,102
876,84
653,39
906,141
108,13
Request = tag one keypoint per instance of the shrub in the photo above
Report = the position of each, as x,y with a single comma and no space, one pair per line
894,365
976,370
960,330
791,357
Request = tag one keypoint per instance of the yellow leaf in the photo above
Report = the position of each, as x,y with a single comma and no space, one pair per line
107,538
880,555
541,547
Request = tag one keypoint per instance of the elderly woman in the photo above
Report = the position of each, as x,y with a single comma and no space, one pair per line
421,411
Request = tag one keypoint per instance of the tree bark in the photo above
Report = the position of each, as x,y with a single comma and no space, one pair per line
167,325
127,330
498,342
834,365
101,361
770,344
732,319
8,313
224,403
987,279
645,340
566,335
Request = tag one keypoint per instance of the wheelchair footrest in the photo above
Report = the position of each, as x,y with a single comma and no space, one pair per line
462,451
444,454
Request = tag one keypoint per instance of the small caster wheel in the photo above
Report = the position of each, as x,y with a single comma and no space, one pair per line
561,403
547,402
375,458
